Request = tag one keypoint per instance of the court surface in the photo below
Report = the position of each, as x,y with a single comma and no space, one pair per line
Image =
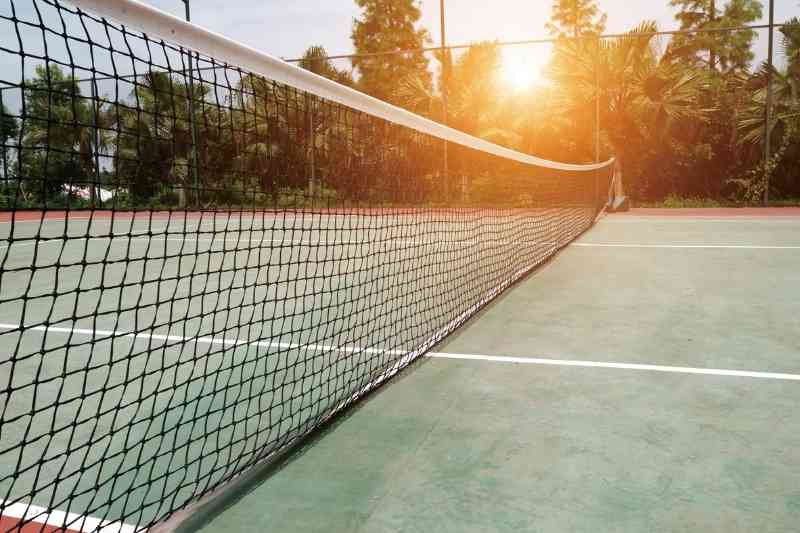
644,380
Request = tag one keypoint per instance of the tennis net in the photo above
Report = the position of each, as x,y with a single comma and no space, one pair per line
207,253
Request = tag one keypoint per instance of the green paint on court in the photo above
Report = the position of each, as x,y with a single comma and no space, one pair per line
487,446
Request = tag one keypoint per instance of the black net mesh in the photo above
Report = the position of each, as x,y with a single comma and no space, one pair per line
200,265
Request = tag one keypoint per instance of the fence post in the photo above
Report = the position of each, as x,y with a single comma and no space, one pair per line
3,141
597,120
311,140
768,110
445,73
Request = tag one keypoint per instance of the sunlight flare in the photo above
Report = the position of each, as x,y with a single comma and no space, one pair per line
522,67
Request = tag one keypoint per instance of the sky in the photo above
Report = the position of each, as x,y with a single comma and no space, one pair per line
286,28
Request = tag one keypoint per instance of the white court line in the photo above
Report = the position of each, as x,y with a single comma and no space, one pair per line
60,519
102,334
685,246
678,219
618,366
434,355
124,240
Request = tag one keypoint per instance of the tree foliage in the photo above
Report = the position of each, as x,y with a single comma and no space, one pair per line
724,50
646,101
388,26
315,59
576,18
58,119
473,95
785,126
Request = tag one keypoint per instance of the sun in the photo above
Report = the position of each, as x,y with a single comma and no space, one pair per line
518,78
522,69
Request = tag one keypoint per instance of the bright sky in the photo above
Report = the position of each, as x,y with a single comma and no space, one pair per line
286,29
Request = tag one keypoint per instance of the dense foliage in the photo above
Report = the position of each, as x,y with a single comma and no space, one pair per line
684,116
576,18
388,26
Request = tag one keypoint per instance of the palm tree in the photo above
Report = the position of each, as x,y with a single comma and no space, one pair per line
94,141
475,100
155,140
65,133
144,154
785,126
475,104
643,94
785,84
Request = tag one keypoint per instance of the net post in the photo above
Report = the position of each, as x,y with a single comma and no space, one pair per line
96,138
445,73
768,110
192,118
597,121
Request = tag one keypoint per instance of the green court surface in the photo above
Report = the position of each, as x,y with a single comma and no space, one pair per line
645,380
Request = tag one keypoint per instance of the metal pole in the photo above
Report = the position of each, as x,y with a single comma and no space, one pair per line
3,141
768,113
445,88
192,120
96,138
311,147
597,121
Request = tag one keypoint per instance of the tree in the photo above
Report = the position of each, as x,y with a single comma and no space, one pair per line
315,59
475,96
646,100
541,131
155,138
725,51
274,154
389,26
475,106
65,135
571,21
725,57
57,123
474,92
785,126
791,51
576,18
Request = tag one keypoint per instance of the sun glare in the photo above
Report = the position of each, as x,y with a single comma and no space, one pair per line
522,69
